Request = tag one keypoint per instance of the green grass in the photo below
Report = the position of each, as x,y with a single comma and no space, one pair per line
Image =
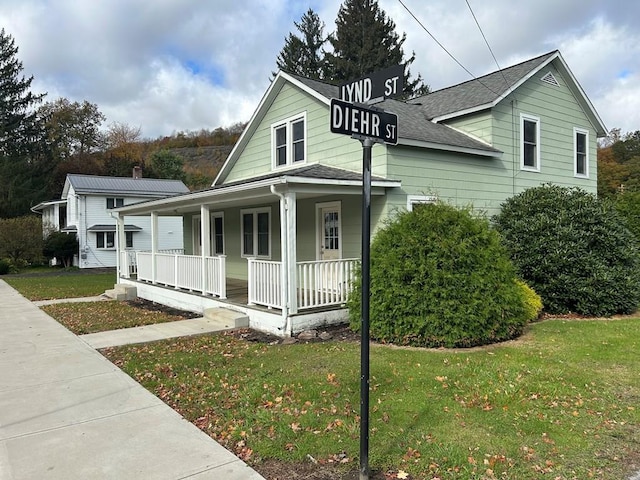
62,285
560,403
92,317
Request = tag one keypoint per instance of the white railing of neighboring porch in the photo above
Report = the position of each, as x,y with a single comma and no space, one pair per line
320,283
184,272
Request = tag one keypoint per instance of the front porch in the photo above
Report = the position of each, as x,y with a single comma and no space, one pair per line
195,283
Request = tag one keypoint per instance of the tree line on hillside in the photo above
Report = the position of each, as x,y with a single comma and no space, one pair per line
41,142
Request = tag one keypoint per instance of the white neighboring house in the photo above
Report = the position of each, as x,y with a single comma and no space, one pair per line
84,209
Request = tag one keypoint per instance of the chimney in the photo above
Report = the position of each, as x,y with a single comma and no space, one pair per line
137,172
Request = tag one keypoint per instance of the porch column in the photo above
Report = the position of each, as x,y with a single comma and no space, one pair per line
154,244
290,251
205,234
122,267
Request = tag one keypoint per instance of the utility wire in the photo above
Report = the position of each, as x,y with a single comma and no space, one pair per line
447,51
488,46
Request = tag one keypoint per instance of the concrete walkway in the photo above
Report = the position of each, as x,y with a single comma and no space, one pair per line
68,413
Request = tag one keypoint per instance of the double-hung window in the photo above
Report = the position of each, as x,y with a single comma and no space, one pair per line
581,152
115,202
529,143
289,141
256,232
106,239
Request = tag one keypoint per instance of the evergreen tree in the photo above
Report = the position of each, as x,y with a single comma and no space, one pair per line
23,166
303,56
365,40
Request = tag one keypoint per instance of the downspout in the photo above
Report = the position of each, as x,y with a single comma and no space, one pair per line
286,324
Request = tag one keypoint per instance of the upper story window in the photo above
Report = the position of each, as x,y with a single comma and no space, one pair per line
529,143
289,141
115,202
581,152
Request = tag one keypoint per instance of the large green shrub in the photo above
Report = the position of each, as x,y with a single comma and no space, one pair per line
62,246
627,204
440,277
573,249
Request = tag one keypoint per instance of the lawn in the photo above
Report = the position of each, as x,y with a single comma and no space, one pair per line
61,285
559,403
92,317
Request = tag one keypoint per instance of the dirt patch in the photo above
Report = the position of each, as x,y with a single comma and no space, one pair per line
272,470
157,307
333,333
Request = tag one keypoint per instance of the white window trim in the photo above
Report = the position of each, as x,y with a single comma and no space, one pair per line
197,242
104,236
420,200
536,120
254,212
213,234
585,132
288,122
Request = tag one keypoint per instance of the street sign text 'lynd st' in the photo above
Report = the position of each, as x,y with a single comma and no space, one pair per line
382,84
350,119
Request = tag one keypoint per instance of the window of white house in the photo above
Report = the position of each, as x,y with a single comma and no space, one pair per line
581,152
115,202
256,232
289,145
530,143
415,200
107,239
128,239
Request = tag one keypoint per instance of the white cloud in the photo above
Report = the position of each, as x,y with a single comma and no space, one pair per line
174,65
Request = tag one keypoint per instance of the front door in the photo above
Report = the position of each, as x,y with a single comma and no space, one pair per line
329,231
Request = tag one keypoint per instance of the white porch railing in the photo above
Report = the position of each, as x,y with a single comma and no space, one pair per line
265,283
184,272
320,283
325,282
129,260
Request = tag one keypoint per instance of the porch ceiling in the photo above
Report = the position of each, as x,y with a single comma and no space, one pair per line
250,193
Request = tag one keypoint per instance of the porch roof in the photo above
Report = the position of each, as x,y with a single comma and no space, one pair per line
112,228
307,181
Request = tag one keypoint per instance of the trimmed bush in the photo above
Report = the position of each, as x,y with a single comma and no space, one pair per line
574,250
627,204
441,278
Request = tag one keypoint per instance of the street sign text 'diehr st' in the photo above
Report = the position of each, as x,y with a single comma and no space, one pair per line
358,120
379,85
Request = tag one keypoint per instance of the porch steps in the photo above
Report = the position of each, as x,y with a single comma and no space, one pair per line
122,292
229,318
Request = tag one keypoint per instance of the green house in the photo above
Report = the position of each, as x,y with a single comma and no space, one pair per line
277,236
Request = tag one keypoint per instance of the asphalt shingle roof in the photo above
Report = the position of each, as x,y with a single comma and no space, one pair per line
480,91
412,122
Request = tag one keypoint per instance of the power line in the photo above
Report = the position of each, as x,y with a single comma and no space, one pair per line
447,51
487,43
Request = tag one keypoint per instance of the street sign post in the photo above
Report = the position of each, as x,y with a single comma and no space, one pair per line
369,125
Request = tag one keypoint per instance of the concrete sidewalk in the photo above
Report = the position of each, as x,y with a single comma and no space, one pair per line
67,413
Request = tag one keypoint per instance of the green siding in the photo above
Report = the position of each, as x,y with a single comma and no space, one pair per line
322,145
487,182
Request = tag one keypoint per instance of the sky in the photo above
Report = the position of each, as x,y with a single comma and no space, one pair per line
168,66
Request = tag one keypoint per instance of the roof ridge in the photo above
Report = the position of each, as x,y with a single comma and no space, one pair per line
494,72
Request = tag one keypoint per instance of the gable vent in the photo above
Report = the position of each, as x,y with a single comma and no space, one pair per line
550,79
